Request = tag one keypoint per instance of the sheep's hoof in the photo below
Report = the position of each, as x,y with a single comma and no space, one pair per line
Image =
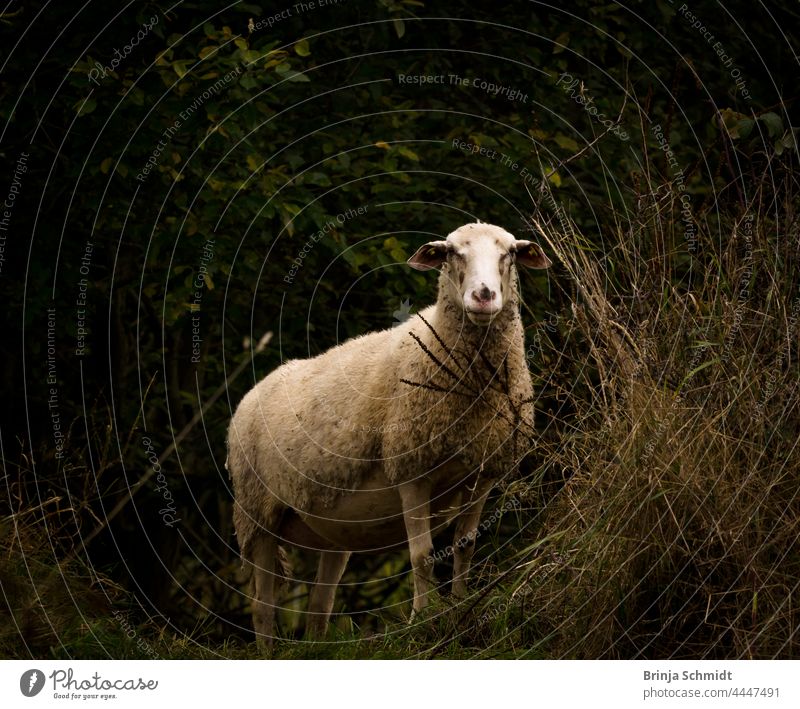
418,615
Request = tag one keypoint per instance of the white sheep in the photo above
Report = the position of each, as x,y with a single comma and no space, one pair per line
385,439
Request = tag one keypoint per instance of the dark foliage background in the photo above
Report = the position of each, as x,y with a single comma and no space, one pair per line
268,123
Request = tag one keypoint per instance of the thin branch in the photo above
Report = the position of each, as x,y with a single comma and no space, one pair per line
450,351
586,147
434,387
435,359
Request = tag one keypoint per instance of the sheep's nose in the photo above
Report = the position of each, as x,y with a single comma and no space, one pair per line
484,295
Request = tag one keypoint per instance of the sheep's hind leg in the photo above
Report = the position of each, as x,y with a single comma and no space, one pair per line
465,535
263,559
329,573
416,499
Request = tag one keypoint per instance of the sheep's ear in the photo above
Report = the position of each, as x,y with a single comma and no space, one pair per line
432,255
530,255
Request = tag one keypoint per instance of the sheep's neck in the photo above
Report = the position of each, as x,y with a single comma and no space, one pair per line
480,356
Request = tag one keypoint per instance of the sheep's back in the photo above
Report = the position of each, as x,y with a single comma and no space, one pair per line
311,430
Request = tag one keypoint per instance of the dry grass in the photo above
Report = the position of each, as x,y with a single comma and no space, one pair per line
675,522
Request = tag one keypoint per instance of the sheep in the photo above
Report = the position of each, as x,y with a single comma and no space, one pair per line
384,440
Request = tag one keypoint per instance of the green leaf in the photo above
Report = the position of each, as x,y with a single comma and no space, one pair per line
407,152
293,75
302,49
773,122
250,56
566,142
256,9
700,368
787,141
86,107
350,257
730,120
743,128
561,43
790,139
180,67
319,178
136,97
399,26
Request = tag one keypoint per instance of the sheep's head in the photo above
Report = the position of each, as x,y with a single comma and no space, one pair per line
479,260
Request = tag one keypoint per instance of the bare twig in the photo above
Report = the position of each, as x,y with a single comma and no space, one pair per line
434,358
450,351
434,387
586,147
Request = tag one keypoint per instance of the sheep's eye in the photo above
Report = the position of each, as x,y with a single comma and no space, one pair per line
458,257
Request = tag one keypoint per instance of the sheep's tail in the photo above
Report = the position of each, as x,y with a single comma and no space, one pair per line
249,530
256,512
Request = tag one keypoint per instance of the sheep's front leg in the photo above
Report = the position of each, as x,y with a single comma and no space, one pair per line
466,534
416,500
329,573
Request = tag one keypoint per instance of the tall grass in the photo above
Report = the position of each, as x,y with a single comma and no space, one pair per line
673,531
